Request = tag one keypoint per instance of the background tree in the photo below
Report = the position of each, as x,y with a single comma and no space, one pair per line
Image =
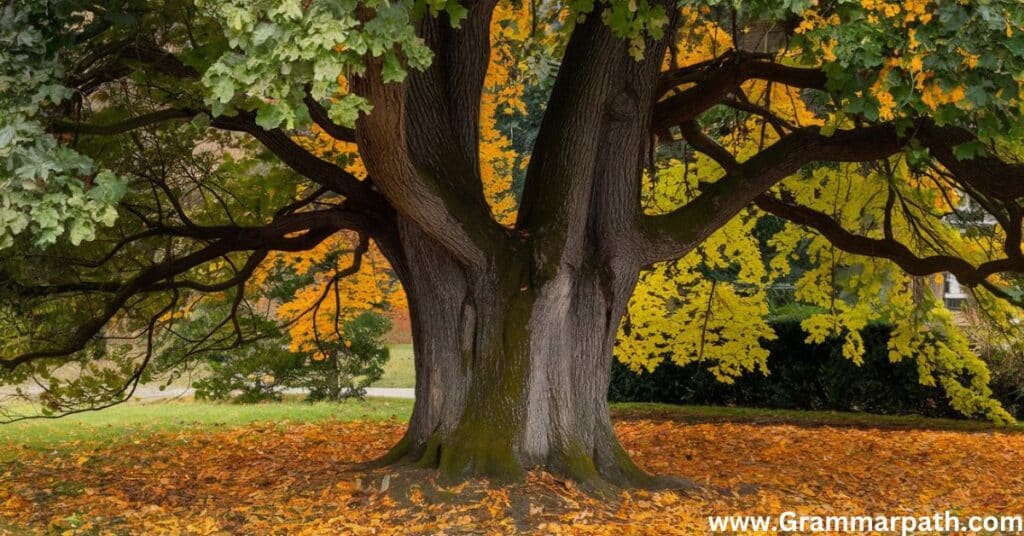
111,109
357,360
334,371
256,372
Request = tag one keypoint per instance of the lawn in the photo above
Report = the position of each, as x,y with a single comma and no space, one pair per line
293,467
399,371
132,421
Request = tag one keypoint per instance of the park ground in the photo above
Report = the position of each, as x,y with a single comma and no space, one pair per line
294,468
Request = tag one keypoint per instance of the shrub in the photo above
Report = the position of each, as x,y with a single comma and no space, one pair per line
802,376
348,367
263,371
257,372
1005,358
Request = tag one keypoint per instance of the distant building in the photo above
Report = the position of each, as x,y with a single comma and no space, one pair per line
946,287
968,216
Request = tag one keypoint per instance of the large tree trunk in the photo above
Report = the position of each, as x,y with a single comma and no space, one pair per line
514,328
513,374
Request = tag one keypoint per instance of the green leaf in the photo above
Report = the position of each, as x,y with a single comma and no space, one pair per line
392,70
456,13
270,116
969,150
263,32
81,231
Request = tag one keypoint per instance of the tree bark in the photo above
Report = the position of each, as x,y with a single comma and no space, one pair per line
512,374
514,328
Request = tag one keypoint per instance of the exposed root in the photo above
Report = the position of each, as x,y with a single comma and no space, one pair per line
604,474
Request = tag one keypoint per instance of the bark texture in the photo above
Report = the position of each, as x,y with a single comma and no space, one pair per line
514,328
511,375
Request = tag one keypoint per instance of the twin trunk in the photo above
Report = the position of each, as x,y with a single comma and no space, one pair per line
513,374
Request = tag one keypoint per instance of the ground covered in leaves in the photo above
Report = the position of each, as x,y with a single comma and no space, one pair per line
300,479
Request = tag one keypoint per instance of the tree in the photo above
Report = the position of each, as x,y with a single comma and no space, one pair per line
712,305
108,107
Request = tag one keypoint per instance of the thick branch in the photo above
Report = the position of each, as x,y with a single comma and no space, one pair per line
140,121
887,248
421,142
448,203
985,174
592,145
703,143
722,80
294,156
294,232
672,235
320,116
444,101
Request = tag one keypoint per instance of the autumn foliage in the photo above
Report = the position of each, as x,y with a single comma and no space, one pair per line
305,479
206,178
712,305
373,286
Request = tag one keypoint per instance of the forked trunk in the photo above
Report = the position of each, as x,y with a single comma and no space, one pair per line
513,374
514,328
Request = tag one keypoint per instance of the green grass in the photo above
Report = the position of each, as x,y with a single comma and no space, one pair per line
134,420
130,421
399,371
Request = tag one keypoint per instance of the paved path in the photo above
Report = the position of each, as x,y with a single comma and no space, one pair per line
391,392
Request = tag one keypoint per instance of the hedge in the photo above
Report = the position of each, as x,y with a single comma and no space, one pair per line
803,376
